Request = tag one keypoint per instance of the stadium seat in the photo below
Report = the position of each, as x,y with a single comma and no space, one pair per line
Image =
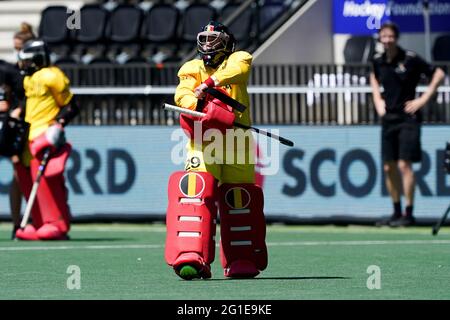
160,23
195,16
359,49
123,32
268,14
125,24
159,32
441,48
241,27
91,36
94,19
53,30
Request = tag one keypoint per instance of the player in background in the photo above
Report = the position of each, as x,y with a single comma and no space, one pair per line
49,107
15,195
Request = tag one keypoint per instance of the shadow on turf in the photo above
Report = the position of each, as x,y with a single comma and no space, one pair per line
281,278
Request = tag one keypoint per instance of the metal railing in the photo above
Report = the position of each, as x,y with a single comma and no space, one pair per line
280,94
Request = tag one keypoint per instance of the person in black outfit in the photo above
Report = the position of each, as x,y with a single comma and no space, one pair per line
11,102
12,81
399,72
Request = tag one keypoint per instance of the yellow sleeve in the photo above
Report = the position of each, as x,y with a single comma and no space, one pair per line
190,78
235,70
59,86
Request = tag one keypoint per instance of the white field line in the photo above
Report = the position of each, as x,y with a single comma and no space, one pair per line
270,244
270,229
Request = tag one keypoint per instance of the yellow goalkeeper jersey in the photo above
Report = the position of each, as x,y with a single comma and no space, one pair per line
232,75
47,90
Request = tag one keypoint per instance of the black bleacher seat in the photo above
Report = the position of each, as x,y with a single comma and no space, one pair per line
160,23
90,37
123,31
241,27
92,29
159,32
359,49
195,17
441,48
268,13
53,28
125,23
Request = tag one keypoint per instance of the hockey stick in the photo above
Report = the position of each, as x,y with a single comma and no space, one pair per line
33,194
440,222
282,140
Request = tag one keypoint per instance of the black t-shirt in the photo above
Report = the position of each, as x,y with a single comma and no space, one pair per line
400,77
10,77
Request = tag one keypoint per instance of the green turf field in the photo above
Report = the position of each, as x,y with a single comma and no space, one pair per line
120,261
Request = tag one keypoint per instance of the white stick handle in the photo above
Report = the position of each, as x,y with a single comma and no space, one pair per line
170,107
30,202
32,197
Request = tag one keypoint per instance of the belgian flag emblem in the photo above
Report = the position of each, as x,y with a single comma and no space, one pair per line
192,185
237,198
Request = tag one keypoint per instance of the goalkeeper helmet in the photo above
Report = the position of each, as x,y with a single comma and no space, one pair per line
214,43
34,56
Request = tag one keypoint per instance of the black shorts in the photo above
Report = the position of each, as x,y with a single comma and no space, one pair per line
400,138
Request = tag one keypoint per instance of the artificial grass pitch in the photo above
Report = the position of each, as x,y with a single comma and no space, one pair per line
122,261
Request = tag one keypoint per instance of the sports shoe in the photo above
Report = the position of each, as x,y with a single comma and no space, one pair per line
27,233
241,269
51,232
388,220
404,221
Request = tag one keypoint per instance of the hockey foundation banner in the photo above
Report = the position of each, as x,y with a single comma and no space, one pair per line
364,17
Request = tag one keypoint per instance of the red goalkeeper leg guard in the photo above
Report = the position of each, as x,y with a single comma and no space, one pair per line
52,198
191,224
243,251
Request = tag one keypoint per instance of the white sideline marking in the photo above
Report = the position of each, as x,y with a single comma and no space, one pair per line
270,244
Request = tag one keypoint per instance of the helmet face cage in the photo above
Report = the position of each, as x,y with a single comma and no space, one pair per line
209,42
214,44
